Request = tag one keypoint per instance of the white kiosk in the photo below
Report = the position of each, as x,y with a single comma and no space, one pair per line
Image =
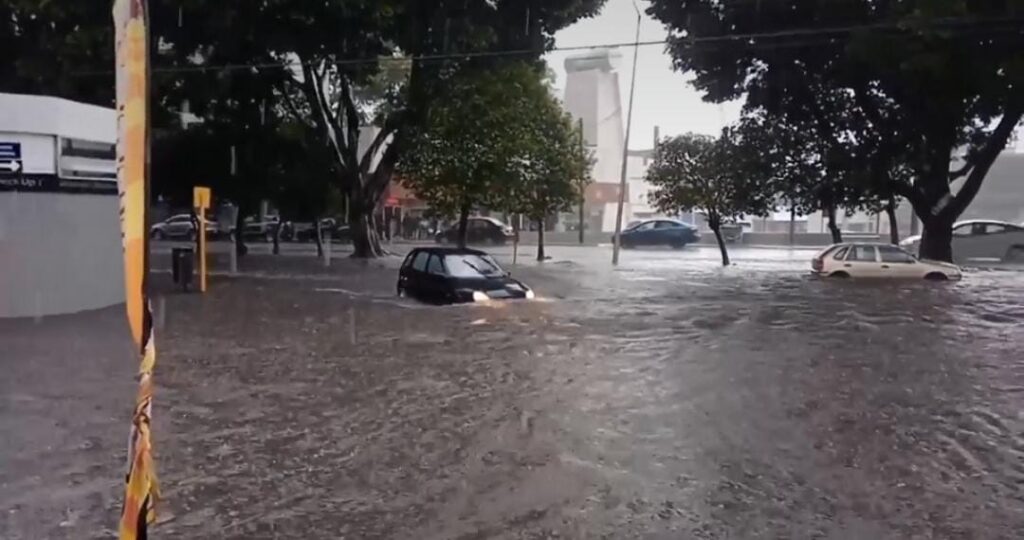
60,240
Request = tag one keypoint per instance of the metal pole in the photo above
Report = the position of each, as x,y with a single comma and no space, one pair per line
583,190
202,250
625,145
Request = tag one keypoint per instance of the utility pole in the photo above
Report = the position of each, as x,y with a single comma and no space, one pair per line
617,244
583,185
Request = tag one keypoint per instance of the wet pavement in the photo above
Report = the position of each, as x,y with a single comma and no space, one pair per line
669,398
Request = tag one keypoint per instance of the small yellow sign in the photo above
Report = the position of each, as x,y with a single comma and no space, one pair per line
201,197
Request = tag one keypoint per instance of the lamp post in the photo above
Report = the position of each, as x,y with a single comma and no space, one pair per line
617,241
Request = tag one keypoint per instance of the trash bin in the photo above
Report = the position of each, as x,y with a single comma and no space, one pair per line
181,266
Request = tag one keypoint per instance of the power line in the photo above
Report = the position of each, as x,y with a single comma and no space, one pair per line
753,40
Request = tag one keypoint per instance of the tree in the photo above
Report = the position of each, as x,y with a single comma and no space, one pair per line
549,167
63,49
797,166
925,77
714,176
472,142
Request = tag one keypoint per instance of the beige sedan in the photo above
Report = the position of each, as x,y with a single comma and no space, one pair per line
875,260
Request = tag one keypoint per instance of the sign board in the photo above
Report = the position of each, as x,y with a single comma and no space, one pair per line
10,158
201,197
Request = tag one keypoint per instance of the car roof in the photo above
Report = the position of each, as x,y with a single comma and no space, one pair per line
495,221
986,221
657,219
436,250
865,243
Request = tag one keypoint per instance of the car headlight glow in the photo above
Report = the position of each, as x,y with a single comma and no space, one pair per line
479,296
530,294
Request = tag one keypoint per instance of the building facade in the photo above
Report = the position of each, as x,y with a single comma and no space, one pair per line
60,239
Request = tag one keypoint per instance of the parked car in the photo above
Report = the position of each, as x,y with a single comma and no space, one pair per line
874,260
263,231
306,232
180,226
479,230
659,232
451,275
981,240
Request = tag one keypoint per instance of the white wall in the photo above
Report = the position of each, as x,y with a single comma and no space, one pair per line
59,253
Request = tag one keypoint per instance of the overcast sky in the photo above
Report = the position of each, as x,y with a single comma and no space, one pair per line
663,97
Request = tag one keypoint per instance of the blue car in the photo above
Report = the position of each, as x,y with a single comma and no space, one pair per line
659,232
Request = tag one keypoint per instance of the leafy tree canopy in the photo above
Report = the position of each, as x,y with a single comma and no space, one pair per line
716,176
916,81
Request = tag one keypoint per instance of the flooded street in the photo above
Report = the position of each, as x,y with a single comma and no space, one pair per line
669,398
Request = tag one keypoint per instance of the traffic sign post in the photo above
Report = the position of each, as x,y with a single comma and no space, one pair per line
201,202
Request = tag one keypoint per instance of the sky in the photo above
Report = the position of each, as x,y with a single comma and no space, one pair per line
664,97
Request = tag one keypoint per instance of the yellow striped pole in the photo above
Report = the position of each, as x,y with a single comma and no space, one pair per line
131,34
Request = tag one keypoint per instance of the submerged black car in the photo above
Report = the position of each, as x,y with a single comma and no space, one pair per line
453,275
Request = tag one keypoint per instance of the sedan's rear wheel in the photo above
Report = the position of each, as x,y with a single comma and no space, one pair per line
840,275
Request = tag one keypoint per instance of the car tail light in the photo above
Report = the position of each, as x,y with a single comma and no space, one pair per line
817,264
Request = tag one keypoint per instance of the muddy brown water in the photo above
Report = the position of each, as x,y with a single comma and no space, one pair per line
666,399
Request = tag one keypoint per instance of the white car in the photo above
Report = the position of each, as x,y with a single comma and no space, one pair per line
875,260
978,240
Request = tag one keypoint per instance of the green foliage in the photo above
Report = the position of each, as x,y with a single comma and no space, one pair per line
63,49
715,176
907,84
497,138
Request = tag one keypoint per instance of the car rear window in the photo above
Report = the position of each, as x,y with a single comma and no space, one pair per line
841,254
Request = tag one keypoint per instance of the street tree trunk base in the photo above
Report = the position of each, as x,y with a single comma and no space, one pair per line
894,226
365,240
463,231
540,242
937,241
721,245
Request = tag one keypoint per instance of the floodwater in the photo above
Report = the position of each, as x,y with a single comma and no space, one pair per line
669,398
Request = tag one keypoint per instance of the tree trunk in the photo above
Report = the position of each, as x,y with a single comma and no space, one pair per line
277,237
463,225
894,225
515,238
716,227
540,241
198,230
582,217
319,237
240,248
937,240
365,239
792,225
837,235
